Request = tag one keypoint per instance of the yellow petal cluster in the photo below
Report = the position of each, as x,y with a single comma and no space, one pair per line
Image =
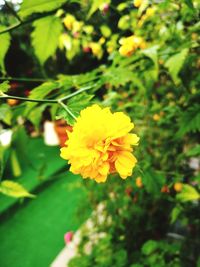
130,44
101,143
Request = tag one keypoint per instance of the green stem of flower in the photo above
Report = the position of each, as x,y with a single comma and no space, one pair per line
24,79
67,109
4,96
77,92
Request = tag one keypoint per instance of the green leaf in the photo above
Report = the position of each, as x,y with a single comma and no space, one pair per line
14,189
4,87
175,213
5,114
149,247
194,151
105,31
152,53
75,105
4,43
189,3
45,37
35,115
188,193
39,93
189,121
96,4
153,182
37,6
175,63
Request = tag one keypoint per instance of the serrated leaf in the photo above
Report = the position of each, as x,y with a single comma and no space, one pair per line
4,86
79,102
4,43
190,121
175,213
5,114
96,4
149,247
14,189
29,7
40,92
194,151
35,115
189,3
175,63
188,193
45,37
75,105
152,53
153,182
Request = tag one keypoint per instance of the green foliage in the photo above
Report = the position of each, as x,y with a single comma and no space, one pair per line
29,7
188,193
175,63
39,93
14,189
4,87
5,43
45,37
189,120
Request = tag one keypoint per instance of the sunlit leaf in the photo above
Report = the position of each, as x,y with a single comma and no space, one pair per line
14,189
175,63
4,45
188,193
37,6
45,37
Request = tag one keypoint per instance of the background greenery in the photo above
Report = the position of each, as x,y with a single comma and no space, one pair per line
67,52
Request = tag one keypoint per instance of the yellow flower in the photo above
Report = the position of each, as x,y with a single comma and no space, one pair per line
156,117
138,182
137,3
178,187
96,49
101,144
130,44
69,21
150,12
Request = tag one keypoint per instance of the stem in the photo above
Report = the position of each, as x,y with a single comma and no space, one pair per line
28,99
12,27
77,92
12,11
67,109
24,79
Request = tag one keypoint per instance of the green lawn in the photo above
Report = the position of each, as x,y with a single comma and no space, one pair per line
32,231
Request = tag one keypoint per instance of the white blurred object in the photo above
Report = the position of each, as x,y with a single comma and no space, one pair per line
5,137
50,135
194,163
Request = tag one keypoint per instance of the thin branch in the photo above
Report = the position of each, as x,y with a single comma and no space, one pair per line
24,79
77,92
12,11
12,27
4,96
67,109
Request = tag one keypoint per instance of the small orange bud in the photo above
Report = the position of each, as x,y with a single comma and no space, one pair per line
156,117
12,102
178,187
138,182
165,189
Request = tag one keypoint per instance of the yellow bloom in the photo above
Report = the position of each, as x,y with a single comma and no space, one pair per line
137,3
130,44
69,21
138,182
156,117
96,49
101,144
178,187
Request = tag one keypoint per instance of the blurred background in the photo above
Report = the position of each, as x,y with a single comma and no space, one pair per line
140,57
